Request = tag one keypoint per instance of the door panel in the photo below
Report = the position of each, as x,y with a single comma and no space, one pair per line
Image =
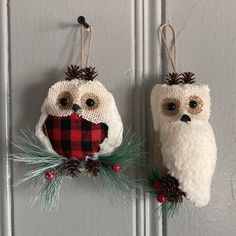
40,38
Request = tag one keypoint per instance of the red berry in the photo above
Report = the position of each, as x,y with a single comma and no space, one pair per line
50,174
116,168
161,198
157,185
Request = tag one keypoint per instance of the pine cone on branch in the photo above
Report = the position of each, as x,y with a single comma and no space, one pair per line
72,168
92,167
72,72
170,187
188,77
173,79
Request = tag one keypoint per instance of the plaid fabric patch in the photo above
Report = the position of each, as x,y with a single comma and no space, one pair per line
73,136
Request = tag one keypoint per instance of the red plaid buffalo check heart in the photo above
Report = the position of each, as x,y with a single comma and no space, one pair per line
73,136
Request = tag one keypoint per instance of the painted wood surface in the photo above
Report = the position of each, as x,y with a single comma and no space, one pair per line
44,39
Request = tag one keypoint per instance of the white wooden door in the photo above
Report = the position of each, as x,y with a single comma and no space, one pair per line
38,39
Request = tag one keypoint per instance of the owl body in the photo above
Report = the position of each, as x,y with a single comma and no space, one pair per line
180,116
79,119
189,154
73,136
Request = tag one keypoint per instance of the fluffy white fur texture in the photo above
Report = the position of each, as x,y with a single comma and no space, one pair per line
188,149
106,112
189,153
182,92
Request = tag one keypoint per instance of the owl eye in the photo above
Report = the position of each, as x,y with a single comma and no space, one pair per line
65,100
90,101
195,105
170,106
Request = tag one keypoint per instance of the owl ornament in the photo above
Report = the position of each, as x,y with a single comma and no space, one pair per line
185,144
181,111
79,131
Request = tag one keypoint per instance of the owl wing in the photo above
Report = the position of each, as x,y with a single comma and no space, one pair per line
154,107
40,134
115,132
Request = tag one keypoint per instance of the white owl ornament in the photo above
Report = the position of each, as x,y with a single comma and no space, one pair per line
185,143
181,111
79,130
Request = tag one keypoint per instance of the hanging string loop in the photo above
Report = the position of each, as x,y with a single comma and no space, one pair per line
84,27
173,43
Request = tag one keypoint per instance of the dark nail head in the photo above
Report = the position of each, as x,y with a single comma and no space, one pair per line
81,19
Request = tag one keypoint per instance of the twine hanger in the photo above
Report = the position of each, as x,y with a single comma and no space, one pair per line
87,28
173,44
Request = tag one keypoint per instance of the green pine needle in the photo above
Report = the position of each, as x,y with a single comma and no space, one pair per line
48,194
130,152
33,154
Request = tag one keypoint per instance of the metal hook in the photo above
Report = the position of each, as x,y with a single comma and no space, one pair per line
82,21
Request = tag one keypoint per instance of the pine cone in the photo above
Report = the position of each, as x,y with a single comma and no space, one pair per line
170,187
72,72
173,79
92,167
188,77
72,168
88,73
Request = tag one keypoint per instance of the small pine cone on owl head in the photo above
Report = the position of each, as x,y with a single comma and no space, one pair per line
188,77
173,79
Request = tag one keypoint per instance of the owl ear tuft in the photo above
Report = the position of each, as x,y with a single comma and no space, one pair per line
173,79
72,72
88,73
188,78
183,78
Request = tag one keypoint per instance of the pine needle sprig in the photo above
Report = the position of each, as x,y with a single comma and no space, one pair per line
41,161
34,155
118,185
48,193
130,152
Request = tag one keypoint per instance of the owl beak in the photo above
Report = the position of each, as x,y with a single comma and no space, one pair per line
185,118
76,107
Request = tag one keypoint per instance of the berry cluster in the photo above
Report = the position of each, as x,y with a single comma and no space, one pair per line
92,168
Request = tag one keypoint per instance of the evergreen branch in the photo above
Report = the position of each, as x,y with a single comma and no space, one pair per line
130,152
